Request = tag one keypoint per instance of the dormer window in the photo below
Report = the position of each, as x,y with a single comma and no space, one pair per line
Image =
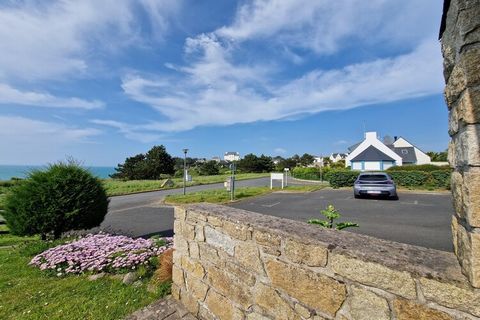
404,151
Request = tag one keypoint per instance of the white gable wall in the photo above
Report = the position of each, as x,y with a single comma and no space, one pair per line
402,143
422,157
372,140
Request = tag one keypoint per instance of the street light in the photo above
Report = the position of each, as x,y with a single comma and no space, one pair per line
185,171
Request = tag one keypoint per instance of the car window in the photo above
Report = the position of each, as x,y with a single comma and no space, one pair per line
373,177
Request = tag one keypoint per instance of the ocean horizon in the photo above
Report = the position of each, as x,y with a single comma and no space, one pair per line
8,172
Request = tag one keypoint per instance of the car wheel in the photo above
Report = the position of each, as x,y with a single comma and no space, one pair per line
357,196
395,197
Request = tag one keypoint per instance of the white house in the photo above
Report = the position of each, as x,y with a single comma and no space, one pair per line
372,154
335,157
231,156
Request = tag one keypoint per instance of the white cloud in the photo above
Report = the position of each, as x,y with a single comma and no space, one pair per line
280,151
131,132
212,90
48,40
40,141
325,26
9,95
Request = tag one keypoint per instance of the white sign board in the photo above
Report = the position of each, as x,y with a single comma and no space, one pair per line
277,176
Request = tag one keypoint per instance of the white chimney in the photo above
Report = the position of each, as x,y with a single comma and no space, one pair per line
371,135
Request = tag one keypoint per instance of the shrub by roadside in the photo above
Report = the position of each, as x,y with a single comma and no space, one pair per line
63,197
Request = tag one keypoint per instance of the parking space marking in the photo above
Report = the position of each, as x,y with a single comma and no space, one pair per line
270,205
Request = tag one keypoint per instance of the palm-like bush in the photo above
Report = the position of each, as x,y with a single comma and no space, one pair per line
331,214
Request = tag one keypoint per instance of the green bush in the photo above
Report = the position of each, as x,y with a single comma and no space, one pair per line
63,197
410,178
311,173
421,167
341,178
441,178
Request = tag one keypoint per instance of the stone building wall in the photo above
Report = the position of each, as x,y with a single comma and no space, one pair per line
461,52
234,264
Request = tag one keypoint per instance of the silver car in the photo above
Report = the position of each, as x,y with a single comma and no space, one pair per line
375,184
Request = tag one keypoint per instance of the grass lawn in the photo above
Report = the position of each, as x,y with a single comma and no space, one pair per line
119,187
28,293
223,196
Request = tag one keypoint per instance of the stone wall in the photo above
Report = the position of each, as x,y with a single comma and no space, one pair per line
234,264
461,51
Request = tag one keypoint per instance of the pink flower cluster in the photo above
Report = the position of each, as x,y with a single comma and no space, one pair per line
100,252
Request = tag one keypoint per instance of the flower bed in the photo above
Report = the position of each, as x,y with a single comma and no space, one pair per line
101,252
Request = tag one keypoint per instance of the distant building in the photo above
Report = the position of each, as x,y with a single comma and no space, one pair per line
318,162
201,160
231,156
372,154
217,159
276,160
335,157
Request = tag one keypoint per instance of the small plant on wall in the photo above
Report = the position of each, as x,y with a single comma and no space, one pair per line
332,214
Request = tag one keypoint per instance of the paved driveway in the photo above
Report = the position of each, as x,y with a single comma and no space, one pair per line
419,219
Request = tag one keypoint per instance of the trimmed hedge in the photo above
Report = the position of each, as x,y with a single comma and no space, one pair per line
341,178
432,179
310,173
420,167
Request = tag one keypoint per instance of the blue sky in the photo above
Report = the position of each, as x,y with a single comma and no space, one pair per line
102,80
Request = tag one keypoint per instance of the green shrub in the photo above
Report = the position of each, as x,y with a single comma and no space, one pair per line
410,178
421,167
441,178
341,178
63,197
311,173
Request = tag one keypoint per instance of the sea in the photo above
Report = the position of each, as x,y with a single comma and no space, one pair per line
8,172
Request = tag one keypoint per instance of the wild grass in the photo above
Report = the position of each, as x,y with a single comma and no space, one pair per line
119,187
223,196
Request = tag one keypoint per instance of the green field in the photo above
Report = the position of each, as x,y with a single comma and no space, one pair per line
28,293
119,187
223,196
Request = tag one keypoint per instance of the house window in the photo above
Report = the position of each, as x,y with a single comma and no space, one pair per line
404,151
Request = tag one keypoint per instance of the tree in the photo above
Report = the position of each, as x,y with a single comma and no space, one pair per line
149,166
209,168
134,168
159,162
252,163
306,159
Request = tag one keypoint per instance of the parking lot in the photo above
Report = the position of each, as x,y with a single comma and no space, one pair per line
416,218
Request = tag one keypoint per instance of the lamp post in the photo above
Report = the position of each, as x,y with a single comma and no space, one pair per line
185,171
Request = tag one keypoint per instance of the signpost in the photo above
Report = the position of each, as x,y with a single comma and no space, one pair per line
277,176
230,183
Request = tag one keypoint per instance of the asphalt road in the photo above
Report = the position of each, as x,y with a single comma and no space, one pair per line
418,219
143,214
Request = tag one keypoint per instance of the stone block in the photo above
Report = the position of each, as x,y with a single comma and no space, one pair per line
256,316
180,245
469,106
199,235
316,291
269,300
194,216
219,240
175,291
221,307
305,313
205,314
189,302
193,249
240,273
193,268
177,276
215,221
471,196
179,213
451,296
248,255
188,231
457,193
236,230
467,146
470,63
455,85
230,287
267,239
407,310
210,254
196,288
362,304
309,254
374,274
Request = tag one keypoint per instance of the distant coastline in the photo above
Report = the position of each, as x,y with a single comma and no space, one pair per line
8,172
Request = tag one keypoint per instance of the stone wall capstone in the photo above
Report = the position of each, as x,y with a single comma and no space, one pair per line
234,264
461,52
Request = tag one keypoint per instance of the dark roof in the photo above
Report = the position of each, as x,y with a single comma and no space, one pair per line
372,154
407,154
443,24
351,148
231,153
